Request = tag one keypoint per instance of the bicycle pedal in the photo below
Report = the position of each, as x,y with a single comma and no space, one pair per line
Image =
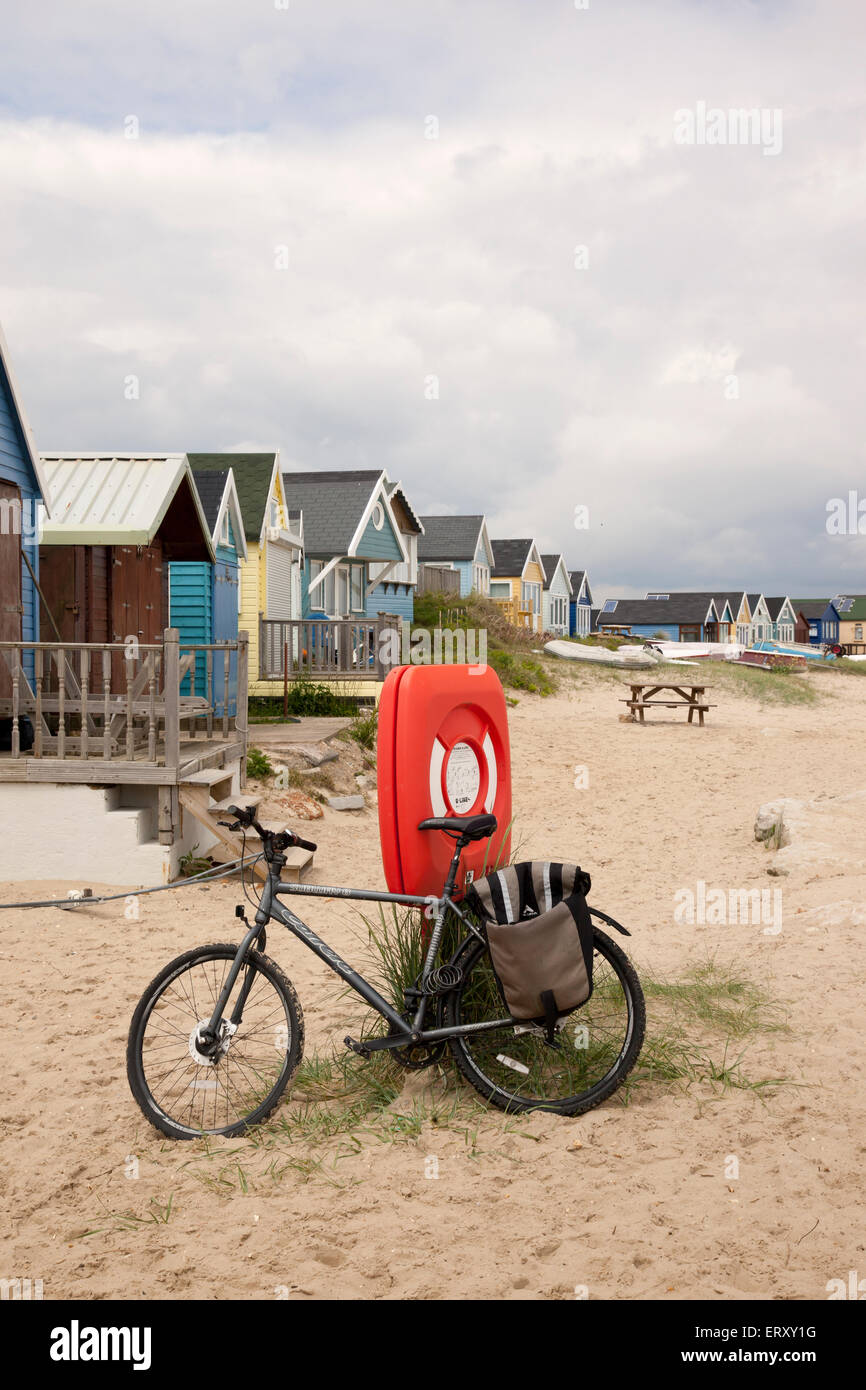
357,1047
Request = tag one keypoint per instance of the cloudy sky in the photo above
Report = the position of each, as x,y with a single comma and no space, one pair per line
468,242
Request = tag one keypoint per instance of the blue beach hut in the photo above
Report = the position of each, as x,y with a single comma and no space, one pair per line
203,598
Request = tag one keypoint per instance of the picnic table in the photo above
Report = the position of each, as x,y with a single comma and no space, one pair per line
690,697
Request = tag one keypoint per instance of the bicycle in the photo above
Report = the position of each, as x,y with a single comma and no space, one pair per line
219,1033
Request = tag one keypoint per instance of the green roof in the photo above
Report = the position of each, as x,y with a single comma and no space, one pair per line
851,607
253,479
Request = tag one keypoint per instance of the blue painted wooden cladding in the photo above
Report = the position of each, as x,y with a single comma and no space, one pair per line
225,629
15,468
204,608
579,625
395,598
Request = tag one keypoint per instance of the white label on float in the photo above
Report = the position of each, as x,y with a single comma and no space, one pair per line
490,759
510,1062
437,758
462,778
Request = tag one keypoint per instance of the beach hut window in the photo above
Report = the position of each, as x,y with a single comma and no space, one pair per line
342,591
858,632
225,538
609,605
357,588
531,593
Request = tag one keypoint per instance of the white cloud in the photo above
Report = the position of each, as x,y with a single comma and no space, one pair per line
455,257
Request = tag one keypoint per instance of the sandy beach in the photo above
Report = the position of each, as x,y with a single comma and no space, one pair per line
637,1200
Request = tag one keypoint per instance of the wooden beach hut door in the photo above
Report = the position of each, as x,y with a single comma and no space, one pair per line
225,629
139,600
10,577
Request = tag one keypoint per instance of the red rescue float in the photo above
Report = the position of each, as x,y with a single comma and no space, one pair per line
442,751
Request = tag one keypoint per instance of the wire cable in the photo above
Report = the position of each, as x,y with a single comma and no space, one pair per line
207,875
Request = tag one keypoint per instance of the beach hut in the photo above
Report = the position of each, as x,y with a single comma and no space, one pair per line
390,586
116,522
822,618
22,493
460,543
204,598
353,542
270,575
726,626
852,622
736,623
517,582
677,617
580,608
782,617
760,622
556,595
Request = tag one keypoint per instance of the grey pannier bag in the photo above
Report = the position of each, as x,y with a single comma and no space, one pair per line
539,932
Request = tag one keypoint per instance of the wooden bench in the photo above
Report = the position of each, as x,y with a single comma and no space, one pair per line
688,697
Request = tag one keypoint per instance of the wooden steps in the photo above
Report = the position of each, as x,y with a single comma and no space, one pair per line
206,795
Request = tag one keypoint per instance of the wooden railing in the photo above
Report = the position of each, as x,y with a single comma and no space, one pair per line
109,701
437,579
324,649
517,613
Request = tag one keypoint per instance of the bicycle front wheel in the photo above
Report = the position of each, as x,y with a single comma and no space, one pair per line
185,1093
516,1069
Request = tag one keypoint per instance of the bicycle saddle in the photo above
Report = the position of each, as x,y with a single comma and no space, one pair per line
465,827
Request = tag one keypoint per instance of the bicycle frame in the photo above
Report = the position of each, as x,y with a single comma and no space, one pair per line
404,1033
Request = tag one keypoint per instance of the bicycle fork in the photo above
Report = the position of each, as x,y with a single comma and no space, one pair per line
211,1036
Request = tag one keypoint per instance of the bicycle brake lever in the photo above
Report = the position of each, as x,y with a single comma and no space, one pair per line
230,825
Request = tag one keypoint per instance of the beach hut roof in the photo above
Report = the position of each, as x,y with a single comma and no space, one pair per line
811,607
124,499
549,564
677,608
510,557
218,493
397,493
337,506
775,606
449,537
851,607
253,479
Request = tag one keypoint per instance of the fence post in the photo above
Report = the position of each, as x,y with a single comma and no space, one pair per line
242,715
171,692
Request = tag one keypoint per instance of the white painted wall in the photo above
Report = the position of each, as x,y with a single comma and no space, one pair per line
92,835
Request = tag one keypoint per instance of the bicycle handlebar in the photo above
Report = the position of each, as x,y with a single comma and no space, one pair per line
280,839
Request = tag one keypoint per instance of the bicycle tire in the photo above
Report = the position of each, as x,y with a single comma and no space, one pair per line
481,1058
137,1069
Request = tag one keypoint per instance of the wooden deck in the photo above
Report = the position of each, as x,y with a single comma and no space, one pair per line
197,755
66,715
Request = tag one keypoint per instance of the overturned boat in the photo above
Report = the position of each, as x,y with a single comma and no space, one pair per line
635,658
804,649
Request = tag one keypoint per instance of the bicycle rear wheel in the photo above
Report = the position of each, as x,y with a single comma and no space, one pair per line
185,1093
516,1069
